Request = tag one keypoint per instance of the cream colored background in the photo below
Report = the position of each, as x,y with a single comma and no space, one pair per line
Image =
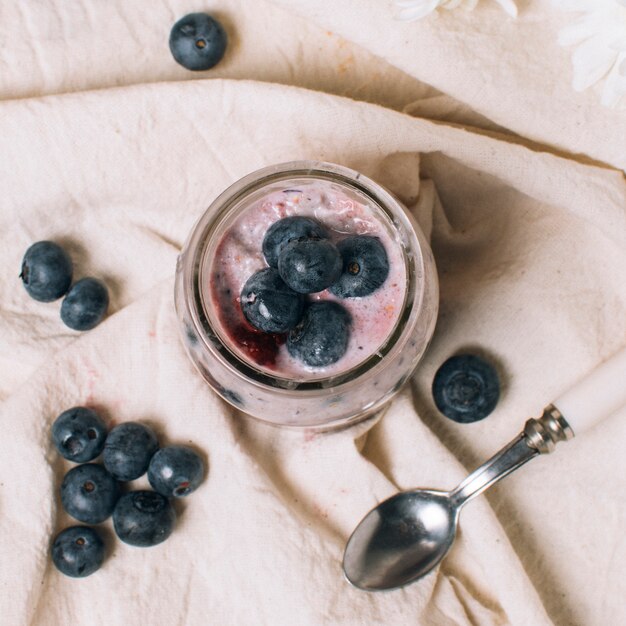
531,250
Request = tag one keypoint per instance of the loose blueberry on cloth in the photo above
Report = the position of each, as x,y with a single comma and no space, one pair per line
85,304
46,271
269,304
79,434
89,493
466,388
78,551
198,41
128,450
143,518
175,471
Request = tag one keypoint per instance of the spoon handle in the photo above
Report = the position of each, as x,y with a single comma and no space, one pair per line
596,396
507,460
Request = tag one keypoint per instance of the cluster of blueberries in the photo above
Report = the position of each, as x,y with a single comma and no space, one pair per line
91,492
303,260
47,271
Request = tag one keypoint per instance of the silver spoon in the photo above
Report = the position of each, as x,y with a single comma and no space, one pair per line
408,535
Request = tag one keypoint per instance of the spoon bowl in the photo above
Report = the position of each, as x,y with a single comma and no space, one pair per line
401,540
407,535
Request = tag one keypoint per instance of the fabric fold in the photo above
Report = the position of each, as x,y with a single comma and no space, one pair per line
530,255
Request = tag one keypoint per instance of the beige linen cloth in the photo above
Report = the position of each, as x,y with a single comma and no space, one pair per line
531,253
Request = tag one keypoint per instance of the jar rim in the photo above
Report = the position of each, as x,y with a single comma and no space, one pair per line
315,170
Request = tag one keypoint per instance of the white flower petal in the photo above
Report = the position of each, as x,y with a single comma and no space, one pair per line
620,42
592,60
509,6
581,29
415,9
600,36
614,90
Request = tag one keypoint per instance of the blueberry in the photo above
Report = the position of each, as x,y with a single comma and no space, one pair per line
143,518
365,267
280,233
175,471
78,551
466,388
46,271
85,305
89,493
269,304
79,434
321,338
128,450
309,265
198,41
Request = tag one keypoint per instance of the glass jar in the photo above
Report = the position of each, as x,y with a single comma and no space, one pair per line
323,400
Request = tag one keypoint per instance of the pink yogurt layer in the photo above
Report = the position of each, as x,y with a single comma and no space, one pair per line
239,255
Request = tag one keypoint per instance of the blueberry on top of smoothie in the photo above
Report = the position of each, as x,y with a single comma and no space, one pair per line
466,388
269,304
198,41
79,434
280,233
85,304
321,337
46,271
309,265
365,267
78,551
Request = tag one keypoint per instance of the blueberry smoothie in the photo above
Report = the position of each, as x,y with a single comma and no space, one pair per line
306,295
307,281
